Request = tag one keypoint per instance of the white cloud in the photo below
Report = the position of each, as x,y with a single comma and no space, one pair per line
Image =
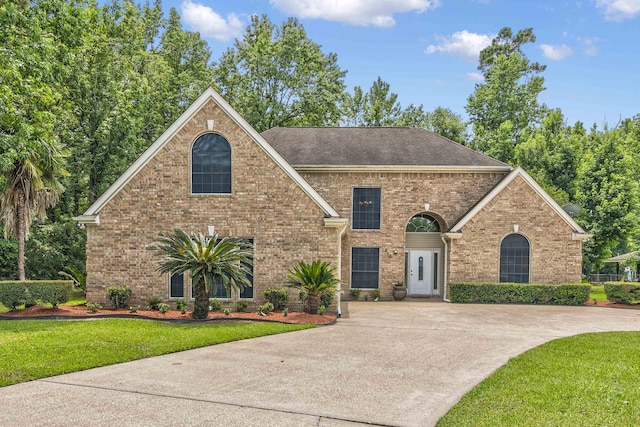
590,48
463,44
619,10
208,23
378,13
556,52
476,77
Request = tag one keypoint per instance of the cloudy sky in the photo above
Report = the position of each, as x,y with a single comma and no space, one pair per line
428,49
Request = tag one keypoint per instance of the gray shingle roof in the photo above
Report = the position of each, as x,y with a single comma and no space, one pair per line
379,146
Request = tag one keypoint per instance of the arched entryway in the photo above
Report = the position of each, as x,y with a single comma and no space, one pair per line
424,255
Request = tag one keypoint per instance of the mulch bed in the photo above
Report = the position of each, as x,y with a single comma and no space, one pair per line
80,311
613,305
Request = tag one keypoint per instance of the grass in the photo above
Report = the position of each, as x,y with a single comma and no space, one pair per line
597,292
589,379
33,349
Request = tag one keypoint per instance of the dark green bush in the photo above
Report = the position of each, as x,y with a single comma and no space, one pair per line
215,305
154,301
279,297
623,292
119,295
242,306
14,293
164,308
520,293
265,308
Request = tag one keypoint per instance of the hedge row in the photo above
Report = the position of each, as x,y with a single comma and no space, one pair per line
623,292
520,293
14,293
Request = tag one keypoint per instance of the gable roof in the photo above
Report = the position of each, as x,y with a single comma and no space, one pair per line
91,215
350,148
579,233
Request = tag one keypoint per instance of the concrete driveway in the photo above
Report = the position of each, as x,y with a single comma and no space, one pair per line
387,363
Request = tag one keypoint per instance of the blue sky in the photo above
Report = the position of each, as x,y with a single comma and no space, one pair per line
428,49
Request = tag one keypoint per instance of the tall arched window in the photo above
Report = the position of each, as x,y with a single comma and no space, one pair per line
514,259
211,165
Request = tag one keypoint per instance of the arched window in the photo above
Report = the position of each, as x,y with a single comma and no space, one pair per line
514,259
423,223
211,165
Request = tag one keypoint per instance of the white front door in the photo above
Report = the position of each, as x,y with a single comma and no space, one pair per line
423,272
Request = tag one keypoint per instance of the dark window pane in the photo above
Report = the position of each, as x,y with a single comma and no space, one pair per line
514,259
176,288
365,268
211,165
365,214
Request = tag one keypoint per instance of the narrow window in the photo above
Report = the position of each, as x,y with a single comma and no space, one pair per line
176,286
421,268
514,259
247,292
435,271
211,165
365,268
366,209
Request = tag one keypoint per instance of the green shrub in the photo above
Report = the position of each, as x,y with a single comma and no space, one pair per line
181,305
285,311
279,297
355,293
265,308
375,294
134,308
154,301
520,293
227,311
242,306
163,308
215,305
14,293
119,295
322,309
92,307
326,298
622,292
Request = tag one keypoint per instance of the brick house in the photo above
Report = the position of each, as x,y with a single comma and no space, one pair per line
381,204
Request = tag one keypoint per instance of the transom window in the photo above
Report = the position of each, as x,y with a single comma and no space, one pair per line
423,223
211,165
366,209
514,259
365,268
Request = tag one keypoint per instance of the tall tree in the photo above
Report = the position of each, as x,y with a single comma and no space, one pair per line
31,157
509,92
608,194
551,153
279,77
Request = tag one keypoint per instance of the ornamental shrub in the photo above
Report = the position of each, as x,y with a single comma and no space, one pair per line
14,293
242,306
265,308
520,293
154,301
623,292
215,305
279,297
119,295
163,307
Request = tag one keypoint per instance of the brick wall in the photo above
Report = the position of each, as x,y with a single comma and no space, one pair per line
404,195
554,258
287,226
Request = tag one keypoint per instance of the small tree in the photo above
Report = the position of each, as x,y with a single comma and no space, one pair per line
205,258
315,278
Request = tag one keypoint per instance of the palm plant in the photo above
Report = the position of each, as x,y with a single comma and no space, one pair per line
314,278
206,258
30,186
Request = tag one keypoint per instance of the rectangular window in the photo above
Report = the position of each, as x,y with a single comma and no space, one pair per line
365,268
176,286
365,214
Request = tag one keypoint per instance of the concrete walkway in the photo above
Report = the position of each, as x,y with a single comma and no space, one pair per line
387,363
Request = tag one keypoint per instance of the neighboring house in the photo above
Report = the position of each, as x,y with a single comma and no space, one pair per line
381,204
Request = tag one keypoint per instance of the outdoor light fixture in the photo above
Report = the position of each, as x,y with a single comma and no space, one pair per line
210,230
426,206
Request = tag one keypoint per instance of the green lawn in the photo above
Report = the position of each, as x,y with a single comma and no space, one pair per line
597,292
585,380
31,349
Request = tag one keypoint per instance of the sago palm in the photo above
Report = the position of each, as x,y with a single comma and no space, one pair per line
315,278
206,258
